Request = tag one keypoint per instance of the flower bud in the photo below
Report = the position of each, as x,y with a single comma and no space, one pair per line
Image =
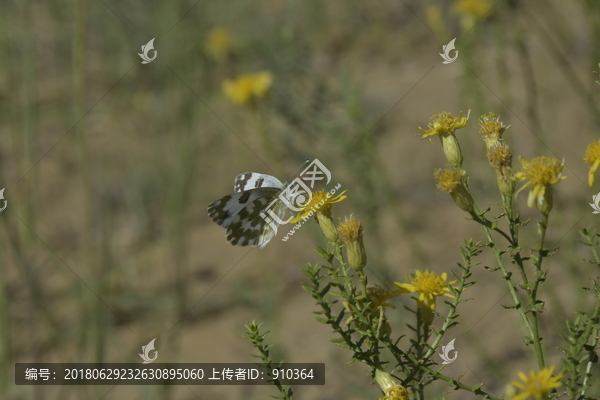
491,129
444,125
351,233
545,202
327,226
388,385
452,150
505,183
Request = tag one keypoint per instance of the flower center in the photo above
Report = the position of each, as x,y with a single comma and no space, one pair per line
544,170
429,283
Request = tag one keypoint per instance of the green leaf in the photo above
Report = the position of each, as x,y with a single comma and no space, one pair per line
540,275
539,306
530,285
527,340
324,254
323,292
344,345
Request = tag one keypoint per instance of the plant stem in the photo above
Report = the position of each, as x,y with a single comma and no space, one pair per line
513,292
453,381
588,367
533,294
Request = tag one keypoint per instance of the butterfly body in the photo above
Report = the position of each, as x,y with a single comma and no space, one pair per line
253,212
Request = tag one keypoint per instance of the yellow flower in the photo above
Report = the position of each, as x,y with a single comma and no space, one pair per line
319,205
351,234
543,173
470,12
219,44
500,156
537,385
435,19
476,8
429,285
444,126
453,182
592,156
378,297
392,390
491,129
247,88
448,180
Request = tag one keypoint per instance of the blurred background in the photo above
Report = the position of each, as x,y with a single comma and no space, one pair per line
109,165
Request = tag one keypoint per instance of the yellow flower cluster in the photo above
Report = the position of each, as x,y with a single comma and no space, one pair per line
246,89
541,173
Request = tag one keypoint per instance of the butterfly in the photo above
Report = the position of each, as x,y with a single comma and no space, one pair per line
252,214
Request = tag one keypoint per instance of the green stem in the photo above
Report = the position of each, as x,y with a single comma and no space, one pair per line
513,292
479,218
451,314
419,347
588,367
595,253
533,295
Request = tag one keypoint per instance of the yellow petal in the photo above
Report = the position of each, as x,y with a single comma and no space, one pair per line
297,219
339,198
531,197
518,384
593,169
430,301
405,287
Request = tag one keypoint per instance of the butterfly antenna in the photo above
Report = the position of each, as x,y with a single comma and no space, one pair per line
306,161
